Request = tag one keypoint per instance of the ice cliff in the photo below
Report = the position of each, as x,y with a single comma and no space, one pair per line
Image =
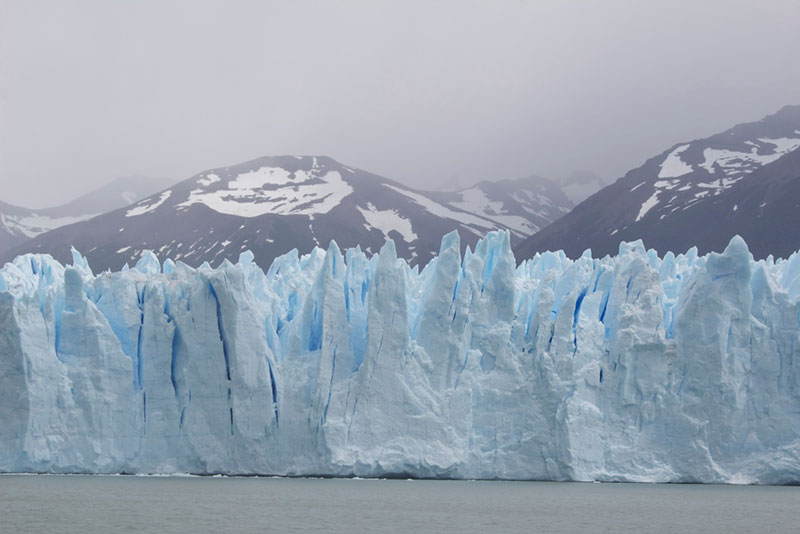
634,367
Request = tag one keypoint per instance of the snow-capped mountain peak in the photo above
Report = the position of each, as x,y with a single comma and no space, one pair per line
702,169
581,184
18,224
271,205
523,205
700,193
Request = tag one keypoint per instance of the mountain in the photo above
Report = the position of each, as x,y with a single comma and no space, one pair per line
523,205
272,205
120,192
580,185
745,180
625,368
18,224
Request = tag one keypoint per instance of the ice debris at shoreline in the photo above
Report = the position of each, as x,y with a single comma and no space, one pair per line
639,368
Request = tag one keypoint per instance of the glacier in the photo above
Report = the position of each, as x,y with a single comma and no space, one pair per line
681,368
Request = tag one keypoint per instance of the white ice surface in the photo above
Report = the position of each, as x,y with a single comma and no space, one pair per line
632,367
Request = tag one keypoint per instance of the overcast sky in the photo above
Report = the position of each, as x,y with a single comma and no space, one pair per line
422,92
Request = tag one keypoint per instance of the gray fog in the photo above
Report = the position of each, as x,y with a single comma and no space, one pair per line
427,93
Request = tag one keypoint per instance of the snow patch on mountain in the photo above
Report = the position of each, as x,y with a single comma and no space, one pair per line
527,199
388,221
477,224
474,200
735,165
273,190
673,166
783,146
733,162
208,179
33,224
648,204
148,205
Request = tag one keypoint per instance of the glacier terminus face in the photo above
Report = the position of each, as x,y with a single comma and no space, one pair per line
628,368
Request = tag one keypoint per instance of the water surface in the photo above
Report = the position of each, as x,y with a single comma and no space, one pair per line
89,504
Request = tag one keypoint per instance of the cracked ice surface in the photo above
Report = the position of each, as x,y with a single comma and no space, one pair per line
634,367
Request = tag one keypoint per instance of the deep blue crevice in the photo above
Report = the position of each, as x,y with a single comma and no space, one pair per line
140,302
315,334
292,306
491,260
174,361
330,387
455,290
603,308
575,316
139,359
535,333
230,408
364,290
600,272
347,299
577,312
57,329
222,336
670,329
270,335
274,391
174,348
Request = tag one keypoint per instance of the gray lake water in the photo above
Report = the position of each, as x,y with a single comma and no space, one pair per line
87,504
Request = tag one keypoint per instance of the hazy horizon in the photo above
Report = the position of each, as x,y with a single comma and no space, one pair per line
423,93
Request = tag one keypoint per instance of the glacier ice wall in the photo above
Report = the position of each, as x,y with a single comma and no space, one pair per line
634,367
